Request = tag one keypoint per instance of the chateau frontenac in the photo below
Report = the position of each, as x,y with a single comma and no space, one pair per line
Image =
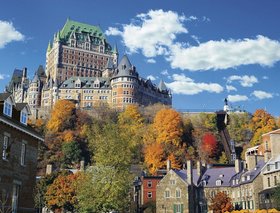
82,66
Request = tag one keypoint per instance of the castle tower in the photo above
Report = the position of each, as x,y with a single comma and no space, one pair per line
124,84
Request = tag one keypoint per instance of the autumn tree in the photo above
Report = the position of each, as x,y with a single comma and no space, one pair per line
221,203
168,127
130,123
61,194
62,116
261,123
154,157
208,146
223,158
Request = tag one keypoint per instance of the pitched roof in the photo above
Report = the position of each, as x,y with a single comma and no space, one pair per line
4,96
74,26
162,86
183,174
124,67
224,174
86,82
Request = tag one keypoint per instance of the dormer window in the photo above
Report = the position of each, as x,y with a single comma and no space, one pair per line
276,165
204,183
233,182
23,117
268,167
243,178
218,182
8,109
248,177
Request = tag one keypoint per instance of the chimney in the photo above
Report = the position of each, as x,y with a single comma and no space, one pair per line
189,172
251,161
237,165
24,72
267,155
199,168
168,165
275,141
82,165
49,169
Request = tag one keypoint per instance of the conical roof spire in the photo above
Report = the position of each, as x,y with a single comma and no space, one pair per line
162,86
115,49
49,46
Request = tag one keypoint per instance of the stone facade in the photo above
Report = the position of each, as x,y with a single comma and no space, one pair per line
18,163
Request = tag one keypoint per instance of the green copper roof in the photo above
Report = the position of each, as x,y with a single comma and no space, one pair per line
49,46
75,26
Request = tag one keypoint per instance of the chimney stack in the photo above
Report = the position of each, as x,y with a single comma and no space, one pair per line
189,172
168,165
237,165
49,169
275,141
267,155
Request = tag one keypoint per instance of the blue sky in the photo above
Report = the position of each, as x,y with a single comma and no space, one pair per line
204,50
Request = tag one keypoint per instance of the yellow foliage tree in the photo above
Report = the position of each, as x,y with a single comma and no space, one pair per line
62,116
174,162
168,127
154,157
261,123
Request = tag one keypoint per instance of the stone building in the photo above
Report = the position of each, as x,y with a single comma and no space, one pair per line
82,66
18,146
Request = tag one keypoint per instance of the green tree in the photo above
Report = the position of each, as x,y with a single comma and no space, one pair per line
223,158
106,185
71,153
276,196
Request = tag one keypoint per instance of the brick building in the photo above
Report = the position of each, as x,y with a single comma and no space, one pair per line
18,146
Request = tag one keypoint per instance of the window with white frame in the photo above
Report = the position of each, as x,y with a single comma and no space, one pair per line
178,193
149,184
23,117
178,208
23,153
5,149
150,194
7,109
167,194
218,182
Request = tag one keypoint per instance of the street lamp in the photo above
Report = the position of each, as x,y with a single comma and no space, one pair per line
137,187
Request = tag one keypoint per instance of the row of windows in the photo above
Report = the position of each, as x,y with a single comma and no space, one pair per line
6,150
276,166
83,54
242,193
124,79
8,110
275,181
87,91
177,193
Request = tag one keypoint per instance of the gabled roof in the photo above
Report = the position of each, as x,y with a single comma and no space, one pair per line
86,82
4,96
183,175
21,106
125,67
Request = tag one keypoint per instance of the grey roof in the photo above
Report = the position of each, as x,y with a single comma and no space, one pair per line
4,96
40,71
87,82
35,79
110,64
162,86
183,175
16,79
224,174
252,173
124,67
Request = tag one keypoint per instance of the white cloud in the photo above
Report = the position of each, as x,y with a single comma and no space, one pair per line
206,19
151,77
164,72
8,33
157,30
265,77
2,76
225,54
194,37
191,18
262,94
185,85
237,98
151,60
230,88
245,80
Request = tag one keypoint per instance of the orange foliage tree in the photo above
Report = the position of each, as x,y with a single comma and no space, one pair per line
61,194
168,127
62,116
261,123
154,155
221,203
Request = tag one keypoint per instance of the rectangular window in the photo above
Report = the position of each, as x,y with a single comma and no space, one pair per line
178,208
268,182
178,193
167,194
15,198
276,165
150,195
149,184
23,153
23,118
275,180
5,151
172,182
8,109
